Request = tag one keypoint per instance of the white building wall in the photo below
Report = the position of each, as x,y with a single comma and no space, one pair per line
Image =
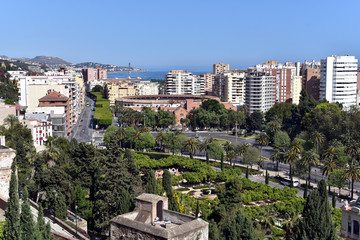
338,80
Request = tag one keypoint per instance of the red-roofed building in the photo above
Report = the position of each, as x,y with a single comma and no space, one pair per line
56,99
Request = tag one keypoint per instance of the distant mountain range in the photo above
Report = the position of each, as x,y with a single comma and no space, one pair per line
56,62
49,60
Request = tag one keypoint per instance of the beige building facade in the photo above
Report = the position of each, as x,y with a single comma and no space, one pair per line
296,87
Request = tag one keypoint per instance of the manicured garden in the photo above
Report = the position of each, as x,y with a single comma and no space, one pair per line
103,116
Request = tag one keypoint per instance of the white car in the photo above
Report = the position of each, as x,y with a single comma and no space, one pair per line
287,182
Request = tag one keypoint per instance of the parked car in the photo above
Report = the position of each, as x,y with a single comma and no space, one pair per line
287,182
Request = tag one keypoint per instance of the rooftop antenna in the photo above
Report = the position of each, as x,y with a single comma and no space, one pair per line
129,72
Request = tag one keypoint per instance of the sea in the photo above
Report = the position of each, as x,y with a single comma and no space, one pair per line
148,75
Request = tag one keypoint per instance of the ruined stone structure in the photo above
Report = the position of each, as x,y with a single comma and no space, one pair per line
7,156
151,220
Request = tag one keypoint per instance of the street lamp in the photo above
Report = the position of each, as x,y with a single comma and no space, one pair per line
76,219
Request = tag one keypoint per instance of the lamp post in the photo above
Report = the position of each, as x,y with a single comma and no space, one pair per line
76,219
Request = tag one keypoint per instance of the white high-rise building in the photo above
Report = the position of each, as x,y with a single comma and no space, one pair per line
260,91
178,82
338,80
234,87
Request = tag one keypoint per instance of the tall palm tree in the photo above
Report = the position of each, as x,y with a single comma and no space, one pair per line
160,139
310,159
293,155
11,120
328,167
353,174
136,138
121,135
192,145
51,154
267,220
262,140
206,146
352,149
319,139
292,226
229,151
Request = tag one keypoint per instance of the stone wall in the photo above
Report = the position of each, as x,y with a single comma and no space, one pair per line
118,232
6,158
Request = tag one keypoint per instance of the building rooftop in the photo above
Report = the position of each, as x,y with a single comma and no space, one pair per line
53,96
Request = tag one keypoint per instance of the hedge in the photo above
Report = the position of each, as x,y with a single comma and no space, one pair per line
103,115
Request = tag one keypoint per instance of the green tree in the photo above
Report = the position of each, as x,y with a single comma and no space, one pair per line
222,162
129,135
167,183
84,206
319,139
352,174
146,141
192,145
336,179
309,159
238,227
251,155
160,138
28,228
317,222
45,232
149,181
12,216
254,121
262,140
110,133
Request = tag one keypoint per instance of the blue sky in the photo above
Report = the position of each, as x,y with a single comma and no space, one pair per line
162,34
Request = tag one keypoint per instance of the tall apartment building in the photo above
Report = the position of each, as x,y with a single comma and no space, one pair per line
283,74
92,74
178,82
208,79
338,80
260,89
234,88
310,72
220,68
358,88
117,88
32,88
296,89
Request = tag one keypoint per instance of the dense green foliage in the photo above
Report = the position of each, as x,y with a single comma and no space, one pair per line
8,88
103,116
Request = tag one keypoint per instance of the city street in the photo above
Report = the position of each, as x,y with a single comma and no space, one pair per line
84,129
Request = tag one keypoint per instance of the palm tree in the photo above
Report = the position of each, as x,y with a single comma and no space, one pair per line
293,155
206,146
160,139
192,145
319,139
353,174
328,167
121,134
11,120
136,138
267,220
352,149
310,159
292,226
51,154
262,140
229,151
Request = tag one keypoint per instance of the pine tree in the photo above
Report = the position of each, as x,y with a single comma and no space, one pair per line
238,227
131,166
317,222
41,222
197,209
266,177
247,173
167,183
306,190
47,235
28,227
222,161
12,220
150,181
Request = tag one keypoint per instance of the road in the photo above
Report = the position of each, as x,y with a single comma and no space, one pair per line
84,129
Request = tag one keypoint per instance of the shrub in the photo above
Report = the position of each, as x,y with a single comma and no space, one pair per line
102,116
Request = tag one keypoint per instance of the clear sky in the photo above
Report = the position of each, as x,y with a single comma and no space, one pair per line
161,34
